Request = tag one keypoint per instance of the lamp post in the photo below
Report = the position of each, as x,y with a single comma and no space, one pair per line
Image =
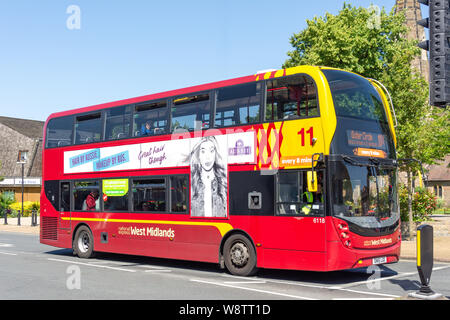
22,159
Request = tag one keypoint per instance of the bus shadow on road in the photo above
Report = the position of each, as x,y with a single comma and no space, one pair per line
406,284
332,278
61,252
133,260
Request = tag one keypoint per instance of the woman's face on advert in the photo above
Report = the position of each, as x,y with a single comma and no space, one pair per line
207,155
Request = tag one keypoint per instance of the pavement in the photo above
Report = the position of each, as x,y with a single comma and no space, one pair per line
25,225
441,244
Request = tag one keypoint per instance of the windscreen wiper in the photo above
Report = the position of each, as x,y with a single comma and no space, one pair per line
355,162
373,162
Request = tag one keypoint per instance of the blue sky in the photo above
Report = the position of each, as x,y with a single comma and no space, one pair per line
131,48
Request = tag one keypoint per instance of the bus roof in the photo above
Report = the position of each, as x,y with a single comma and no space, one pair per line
192,89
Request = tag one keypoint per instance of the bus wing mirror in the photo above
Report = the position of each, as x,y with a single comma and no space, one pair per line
312,181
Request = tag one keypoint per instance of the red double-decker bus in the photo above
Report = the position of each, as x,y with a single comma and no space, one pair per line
288,169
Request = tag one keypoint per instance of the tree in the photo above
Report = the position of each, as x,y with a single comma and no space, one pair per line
352,41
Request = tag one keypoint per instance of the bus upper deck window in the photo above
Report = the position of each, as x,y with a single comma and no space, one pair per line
118,123
238,105
150,118
191,113
59,132
88,128
291,97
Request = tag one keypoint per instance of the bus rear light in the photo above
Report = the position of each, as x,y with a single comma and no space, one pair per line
344,235
343,226
344,232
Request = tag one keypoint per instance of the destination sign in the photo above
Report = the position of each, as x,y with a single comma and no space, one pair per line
364,139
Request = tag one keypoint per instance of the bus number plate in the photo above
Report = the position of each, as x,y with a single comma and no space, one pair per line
379,260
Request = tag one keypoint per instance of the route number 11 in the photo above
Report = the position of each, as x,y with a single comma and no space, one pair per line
309,132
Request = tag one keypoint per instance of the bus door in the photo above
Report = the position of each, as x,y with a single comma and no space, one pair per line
64,203
299,222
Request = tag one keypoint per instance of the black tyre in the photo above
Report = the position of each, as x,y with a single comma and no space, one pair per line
240,256
83,243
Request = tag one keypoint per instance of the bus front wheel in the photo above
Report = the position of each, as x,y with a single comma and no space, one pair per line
240,256
83,243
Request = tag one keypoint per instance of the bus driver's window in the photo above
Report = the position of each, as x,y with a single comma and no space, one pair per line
313,201
293,196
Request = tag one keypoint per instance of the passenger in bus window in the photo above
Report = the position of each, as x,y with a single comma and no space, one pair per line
147,130
208,180
91,201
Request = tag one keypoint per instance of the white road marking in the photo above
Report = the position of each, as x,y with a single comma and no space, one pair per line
371,293
256,279
441,268
92,265
339,288
252,289
9,253
244,282
242,278
361,299
400,275
6,245
146,266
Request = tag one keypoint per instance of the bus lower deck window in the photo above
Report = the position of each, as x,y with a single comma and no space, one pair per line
149,195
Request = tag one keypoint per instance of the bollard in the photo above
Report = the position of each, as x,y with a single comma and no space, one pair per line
34,218
18,217
424,242
6,216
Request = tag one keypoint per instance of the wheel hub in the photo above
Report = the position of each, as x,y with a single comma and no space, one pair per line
84,242
239,254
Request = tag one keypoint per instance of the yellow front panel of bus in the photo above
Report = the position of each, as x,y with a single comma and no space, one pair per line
288,144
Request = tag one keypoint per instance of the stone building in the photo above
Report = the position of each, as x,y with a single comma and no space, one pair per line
439,180
438,175
21,138
413,13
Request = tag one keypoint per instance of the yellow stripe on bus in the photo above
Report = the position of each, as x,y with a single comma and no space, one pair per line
222,227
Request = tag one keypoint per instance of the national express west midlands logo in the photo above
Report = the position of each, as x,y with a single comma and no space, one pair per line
239,149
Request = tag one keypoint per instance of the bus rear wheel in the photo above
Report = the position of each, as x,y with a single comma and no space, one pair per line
83,243
240,256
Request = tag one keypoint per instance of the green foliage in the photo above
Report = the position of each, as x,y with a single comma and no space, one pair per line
6,199
36,206
423,204
352,41
28,207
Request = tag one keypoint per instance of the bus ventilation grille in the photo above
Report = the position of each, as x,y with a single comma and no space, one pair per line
49,228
